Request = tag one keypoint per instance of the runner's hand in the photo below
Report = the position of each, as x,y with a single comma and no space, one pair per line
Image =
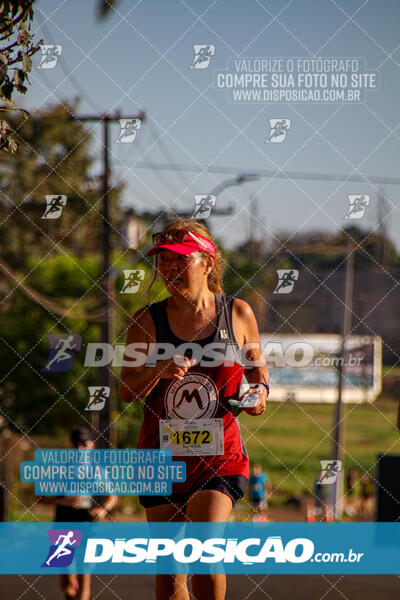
98,513
175,367
259,408
72,501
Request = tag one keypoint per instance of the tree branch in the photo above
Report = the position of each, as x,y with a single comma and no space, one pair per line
16,21
8,47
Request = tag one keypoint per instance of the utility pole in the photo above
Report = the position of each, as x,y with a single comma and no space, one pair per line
337,450
104,417
382,212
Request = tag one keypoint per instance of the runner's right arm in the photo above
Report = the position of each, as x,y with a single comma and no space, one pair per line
136,382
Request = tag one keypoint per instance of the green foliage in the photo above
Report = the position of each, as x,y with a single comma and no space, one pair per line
15,60
104,7
33,401
59,259
51,403
63,276
129,416
54,158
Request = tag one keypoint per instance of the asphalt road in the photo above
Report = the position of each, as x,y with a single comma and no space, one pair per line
240,587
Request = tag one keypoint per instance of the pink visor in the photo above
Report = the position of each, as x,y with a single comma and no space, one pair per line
182,244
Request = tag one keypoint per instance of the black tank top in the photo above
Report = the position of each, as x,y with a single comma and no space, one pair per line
204,393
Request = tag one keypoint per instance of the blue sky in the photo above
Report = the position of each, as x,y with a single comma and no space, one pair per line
139,57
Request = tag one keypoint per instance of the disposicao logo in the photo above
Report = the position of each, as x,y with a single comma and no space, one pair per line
190,550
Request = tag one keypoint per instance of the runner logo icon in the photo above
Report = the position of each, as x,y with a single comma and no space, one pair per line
133,277
202,55
128,130
278,129
357,206
204,205
287,279
62,550
54,206
50,55
329,471
62,349
97,397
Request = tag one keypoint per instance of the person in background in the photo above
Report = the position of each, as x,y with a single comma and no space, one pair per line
352,498
367,495
319,495
79,509
259,490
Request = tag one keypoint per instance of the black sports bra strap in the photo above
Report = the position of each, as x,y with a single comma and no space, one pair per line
225,323
225,331
159,313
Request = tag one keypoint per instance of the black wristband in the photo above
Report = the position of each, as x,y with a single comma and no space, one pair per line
265,385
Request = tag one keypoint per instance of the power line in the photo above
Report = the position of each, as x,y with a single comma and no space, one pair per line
158,139
51,304
272,174
84,94
165,182
68,72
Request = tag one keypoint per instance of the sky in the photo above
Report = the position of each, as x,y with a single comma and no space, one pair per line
139,57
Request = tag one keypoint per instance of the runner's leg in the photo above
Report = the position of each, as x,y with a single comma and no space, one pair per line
169,587
84,586
213,507
68,584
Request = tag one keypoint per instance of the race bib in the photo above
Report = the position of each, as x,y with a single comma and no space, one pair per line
197,437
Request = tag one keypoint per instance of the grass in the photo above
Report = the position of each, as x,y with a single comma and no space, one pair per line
291,439
389,370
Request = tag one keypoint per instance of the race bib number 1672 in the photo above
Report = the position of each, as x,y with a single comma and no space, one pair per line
197,437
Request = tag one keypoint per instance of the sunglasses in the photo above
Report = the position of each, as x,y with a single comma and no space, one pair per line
177,236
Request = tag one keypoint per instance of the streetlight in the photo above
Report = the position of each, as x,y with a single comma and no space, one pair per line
239,180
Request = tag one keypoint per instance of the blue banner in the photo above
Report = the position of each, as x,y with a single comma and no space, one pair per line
235,548
61,472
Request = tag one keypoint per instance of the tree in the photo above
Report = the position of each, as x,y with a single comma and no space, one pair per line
50,403
105,6
15,60
54,159
50,280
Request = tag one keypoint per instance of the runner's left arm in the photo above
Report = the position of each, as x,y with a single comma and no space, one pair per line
100,512
248,337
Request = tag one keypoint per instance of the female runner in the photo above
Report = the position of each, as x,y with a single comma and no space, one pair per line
195,387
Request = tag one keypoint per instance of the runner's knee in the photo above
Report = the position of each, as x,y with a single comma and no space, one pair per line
212,585
171,583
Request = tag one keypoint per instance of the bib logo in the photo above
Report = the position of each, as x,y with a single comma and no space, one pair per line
61,551
193,398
